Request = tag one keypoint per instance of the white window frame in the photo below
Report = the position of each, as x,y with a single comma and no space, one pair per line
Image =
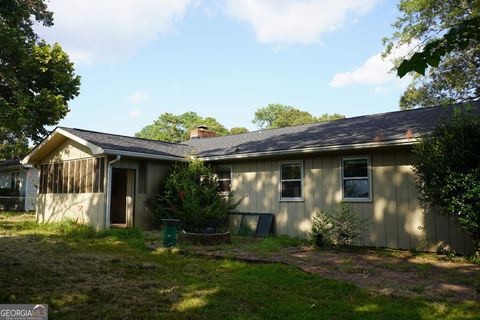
230,168
283,199
369,177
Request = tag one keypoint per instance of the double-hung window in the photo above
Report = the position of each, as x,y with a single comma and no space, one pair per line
356,180
291,181
224,178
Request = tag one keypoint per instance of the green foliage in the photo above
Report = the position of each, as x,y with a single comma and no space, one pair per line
191,194
175,128
36,79
447,164
448,32
459,37
279,115
337,228
238,130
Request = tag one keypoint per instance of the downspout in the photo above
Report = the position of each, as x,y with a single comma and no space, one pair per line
109,190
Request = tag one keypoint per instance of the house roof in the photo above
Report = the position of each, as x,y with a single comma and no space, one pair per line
383,129
13,164
399,127
114,142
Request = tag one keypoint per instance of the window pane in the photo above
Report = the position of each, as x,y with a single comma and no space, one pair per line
71,176
291,171
224,185
102,169
355,168
55,178
357,188
50,179
77,177
60,178
89,176
223,175
65,177
291,189
83,175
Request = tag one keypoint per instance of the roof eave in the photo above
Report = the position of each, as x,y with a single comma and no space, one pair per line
344,147
93,148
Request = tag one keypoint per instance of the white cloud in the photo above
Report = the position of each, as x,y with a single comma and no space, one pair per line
376,71
138,97
134,113
284,22
109,30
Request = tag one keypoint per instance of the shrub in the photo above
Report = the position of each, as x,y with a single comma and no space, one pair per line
337,228
191,194
447,164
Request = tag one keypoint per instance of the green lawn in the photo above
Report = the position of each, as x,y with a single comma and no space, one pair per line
82,274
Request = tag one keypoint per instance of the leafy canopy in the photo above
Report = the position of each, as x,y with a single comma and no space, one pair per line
447,164
176,128
449,41
36,79
191,194
279,115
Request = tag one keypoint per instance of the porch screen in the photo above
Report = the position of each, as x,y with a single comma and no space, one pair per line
73,176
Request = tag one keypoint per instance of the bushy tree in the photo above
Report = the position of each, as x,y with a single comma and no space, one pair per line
449,41
191,194
238,130
176,128
447,164
36,79
279,116
340,227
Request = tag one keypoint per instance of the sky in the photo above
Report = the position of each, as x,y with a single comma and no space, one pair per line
224,58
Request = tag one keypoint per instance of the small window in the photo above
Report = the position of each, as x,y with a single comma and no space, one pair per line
224,177
356,179
291,181
15,182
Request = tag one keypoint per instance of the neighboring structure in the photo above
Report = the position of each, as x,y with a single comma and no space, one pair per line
18,186
105,179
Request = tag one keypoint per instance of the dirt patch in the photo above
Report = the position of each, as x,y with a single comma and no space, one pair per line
402,273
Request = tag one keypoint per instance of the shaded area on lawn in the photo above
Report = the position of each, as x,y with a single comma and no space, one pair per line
110,278
384,271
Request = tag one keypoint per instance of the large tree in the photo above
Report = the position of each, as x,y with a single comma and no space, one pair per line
36,79
279,115
175,128
447,32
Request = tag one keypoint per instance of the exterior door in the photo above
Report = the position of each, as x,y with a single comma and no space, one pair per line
122,197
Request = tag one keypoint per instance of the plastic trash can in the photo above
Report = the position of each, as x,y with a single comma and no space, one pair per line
170,232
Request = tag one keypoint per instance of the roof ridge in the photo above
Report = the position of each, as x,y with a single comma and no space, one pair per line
125,136
335,120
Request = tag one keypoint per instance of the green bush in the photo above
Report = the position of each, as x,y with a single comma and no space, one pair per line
191,194
337,228
447,164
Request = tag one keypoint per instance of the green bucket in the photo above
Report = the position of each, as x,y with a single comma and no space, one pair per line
169,232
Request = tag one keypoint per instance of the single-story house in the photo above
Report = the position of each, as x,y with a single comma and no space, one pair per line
18,185
105,179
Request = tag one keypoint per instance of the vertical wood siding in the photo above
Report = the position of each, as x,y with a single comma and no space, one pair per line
392,219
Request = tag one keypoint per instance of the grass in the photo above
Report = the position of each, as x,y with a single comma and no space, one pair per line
84,274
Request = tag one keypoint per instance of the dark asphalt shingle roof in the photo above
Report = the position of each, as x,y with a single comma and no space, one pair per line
384,127
356,130
131,144
10,164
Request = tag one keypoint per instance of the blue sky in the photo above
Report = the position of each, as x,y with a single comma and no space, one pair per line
224,58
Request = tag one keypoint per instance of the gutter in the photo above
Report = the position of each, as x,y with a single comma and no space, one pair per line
109,190
402,142
142,155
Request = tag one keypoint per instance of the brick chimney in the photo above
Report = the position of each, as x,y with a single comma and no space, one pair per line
202,132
